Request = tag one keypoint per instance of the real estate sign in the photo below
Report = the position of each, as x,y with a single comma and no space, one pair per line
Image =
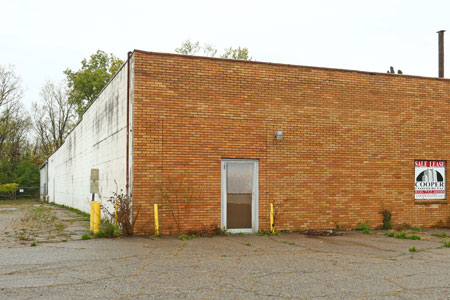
429,179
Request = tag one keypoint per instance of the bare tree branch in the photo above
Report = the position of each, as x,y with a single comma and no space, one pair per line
53,116
10,88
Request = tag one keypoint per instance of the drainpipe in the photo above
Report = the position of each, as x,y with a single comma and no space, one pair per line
128,124
46,181
441,53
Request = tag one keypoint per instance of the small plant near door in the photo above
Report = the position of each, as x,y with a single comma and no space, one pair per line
178,195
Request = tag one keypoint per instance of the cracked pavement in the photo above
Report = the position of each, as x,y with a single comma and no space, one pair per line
288,266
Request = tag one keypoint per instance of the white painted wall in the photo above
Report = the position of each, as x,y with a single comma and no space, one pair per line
98,141
43,182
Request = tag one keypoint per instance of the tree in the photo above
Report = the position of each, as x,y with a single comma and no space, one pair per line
14,126
17,166
53,117
10,87
86,83
14,144
209,50
238,53
190,48
392,71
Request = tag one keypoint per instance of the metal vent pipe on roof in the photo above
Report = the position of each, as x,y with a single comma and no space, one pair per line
441,53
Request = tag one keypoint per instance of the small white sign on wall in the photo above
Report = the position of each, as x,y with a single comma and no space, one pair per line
429,179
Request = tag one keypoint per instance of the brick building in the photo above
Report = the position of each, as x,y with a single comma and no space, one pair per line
215,141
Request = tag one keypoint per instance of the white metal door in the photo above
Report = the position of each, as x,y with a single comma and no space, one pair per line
240,195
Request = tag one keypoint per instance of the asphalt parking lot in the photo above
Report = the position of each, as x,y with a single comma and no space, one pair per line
287,266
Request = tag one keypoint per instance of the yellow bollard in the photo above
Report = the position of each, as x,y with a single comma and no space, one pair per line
156,219
115,214
97,217
272,228
91,228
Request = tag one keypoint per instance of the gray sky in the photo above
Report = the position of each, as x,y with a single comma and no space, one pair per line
43,38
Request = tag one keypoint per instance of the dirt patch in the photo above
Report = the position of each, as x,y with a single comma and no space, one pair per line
27,222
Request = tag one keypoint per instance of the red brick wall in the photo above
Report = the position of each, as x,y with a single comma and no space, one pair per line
350,140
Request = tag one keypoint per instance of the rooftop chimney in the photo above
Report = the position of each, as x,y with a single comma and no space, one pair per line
441,53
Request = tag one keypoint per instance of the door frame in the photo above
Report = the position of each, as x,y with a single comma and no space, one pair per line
255,196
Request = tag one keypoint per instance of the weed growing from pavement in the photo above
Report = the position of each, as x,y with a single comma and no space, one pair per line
413,249
364,228
402,235
33,244
185,237
440,235
266,233
417,229
86,236
289,243
205,231
446,245
60,227
108,230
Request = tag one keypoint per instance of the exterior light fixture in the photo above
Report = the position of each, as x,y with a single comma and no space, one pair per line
279,135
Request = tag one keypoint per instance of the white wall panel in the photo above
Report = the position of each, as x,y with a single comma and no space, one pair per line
98,141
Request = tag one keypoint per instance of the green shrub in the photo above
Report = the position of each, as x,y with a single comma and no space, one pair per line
390,234
364,228
413,237
413,249
86,236
400,235
9,188
108,230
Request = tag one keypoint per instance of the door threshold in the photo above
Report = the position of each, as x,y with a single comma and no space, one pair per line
240,230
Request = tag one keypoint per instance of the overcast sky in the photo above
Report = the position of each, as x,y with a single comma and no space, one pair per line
43,38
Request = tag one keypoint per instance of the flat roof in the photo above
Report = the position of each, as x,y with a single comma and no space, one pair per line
288,65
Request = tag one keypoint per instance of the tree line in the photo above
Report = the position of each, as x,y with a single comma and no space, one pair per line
27,139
